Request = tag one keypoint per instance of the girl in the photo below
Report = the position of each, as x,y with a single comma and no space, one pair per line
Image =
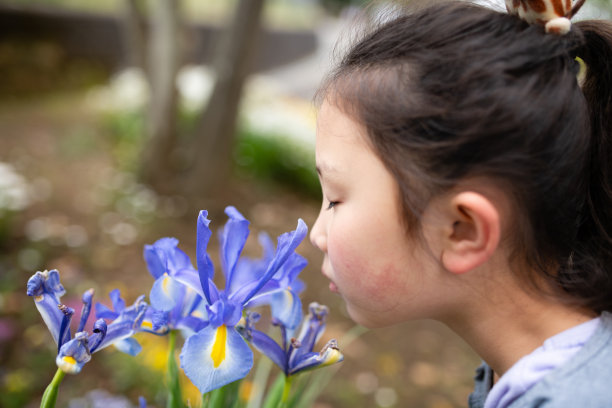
464,156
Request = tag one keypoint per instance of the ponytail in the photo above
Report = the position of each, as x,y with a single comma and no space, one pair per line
592,259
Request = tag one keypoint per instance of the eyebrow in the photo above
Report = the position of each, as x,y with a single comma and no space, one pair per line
325,167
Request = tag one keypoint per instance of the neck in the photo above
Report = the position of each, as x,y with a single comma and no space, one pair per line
504,327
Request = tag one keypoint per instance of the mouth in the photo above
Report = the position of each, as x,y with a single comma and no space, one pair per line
332,286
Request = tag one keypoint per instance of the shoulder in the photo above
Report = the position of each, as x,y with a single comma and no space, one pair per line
582,381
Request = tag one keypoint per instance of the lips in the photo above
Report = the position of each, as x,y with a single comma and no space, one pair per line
332,286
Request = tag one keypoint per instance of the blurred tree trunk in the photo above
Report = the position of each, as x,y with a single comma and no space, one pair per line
135,34
163,65
211,154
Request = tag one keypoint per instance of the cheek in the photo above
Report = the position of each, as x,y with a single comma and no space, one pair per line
362,271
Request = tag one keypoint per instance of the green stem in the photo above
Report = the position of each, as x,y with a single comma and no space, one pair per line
175,399
50,396
286,389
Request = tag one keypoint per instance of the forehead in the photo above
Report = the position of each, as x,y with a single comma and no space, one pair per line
343,150
336,127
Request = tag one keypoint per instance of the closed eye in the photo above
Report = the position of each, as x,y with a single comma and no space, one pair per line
332,204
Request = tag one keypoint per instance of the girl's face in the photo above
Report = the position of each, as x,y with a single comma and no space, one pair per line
384,276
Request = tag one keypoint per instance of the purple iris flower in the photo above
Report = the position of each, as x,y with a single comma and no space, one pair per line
175,303
295,355
73,353
217,354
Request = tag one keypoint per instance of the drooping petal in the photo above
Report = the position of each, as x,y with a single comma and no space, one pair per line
74,354
214,357
99,333
286,307
233,237
64,333
46,290
266,345
87,298
311,330
205,266
129,321
329,355
128,345
117,331
45,282
165,293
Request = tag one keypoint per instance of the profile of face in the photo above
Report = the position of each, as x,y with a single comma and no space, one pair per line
383,274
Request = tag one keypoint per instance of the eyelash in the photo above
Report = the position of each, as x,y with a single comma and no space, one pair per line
332,204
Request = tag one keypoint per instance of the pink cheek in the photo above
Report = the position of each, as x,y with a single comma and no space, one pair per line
358,273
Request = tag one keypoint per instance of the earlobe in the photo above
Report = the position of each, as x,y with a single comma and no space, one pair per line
474,234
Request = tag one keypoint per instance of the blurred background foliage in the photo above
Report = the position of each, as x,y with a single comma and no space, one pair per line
73,126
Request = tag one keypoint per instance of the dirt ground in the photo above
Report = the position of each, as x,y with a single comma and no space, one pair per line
90,221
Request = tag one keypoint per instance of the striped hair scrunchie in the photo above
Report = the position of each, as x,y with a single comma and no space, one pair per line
554,15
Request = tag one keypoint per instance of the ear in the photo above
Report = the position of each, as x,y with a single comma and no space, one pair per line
473,233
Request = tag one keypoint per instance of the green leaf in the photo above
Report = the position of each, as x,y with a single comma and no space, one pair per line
275,392
175,399
225,397
262,373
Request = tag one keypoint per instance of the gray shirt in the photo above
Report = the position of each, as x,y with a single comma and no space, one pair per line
584,381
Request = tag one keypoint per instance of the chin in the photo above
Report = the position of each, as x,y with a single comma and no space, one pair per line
369,322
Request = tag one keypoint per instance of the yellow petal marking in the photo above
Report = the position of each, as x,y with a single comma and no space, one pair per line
69,359
218,350
165,283
147,325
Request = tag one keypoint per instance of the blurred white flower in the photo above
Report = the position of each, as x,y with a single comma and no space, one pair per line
127,91
267,111
14,189
195,84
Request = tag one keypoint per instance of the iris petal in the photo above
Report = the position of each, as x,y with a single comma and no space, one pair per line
46,290
328,356
205,265
74,354
266,345
233,238
191,279
233,358
47,306
128,346
105,312
164,293
287,243
154,264
311,330
87,298
287,308
118,303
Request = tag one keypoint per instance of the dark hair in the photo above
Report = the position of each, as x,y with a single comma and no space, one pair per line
458,90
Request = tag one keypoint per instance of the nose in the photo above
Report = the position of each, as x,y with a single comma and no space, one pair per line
318,234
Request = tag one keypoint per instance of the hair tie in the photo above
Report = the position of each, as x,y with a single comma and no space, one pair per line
582,71
554,15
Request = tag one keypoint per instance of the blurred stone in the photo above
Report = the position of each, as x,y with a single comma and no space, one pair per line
424,374
366,382
385,397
